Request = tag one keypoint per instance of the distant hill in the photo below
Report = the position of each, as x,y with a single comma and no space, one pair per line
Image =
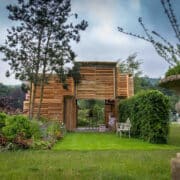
152,81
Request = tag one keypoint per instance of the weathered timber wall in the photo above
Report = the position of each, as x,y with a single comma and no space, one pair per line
96,83
70,113
99,80
53,99
125,85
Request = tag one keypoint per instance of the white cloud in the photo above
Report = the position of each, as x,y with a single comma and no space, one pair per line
135,4
102,41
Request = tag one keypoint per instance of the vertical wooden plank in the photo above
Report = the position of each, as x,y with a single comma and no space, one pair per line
70,113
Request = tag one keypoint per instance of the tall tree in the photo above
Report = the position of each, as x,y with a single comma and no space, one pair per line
40,44
169,51
132,66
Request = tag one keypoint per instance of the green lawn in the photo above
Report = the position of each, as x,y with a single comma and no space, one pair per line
98,156
105,141
174,135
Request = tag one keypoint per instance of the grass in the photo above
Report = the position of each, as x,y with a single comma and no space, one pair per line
99,158
174,135
109,164
105,141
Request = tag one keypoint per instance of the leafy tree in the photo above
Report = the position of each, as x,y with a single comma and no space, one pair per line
11,97
132,66
40,44
4,90
170,52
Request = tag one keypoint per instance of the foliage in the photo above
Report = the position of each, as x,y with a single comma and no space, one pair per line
75,72
130,65
146,83
96,107
168,51
149,115
15,126
173,71
11,97
82,117
3,116
4,90
35,129
40,144
98,112
53,130
40,44
19,132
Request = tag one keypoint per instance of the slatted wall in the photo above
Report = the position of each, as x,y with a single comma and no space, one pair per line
53,99
96,83
125,85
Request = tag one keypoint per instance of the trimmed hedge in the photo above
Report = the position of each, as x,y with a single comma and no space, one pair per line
149,115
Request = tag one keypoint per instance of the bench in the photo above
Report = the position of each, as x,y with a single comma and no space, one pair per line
123,127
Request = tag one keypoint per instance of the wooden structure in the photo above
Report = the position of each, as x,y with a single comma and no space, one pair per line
99,80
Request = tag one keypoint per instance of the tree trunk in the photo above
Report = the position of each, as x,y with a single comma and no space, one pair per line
41,94
36,77
43,77
30,101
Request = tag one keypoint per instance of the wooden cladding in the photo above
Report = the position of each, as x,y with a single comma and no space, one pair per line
70,113
99,80
125,85
96,83
53,99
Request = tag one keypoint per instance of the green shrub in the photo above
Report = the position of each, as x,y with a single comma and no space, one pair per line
82,117
41,144
35,129
149,115
173,71
3,116
20,132
53,130
17,126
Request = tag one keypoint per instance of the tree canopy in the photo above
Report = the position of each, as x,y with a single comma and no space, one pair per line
39,45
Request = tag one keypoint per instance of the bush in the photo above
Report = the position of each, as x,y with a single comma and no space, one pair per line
19,132
41,144
53,131
82,117
3,116
35,129
149,116
17,126
173,71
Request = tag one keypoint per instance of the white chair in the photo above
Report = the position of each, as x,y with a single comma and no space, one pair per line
123,127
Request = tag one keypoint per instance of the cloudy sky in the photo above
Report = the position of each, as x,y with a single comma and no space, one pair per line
101,41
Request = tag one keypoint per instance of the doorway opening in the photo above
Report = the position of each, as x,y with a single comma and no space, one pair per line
91,113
